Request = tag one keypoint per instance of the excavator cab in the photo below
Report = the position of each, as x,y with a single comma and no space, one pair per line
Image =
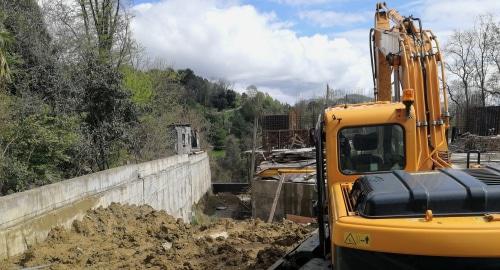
370,138
382,211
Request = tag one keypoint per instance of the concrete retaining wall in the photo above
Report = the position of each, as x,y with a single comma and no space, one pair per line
172,184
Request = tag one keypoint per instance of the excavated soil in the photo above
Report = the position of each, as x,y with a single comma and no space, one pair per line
138,237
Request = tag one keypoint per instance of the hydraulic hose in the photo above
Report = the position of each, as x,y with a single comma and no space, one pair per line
372,62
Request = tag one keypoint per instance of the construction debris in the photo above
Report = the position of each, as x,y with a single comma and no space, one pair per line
285,184
138,237
291,155
467,142
301,160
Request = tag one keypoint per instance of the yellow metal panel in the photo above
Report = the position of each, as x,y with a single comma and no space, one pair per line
466,236
445,236
384,92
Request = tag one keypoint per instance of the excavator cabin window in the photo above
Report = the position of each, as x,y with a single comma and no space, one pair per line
367,149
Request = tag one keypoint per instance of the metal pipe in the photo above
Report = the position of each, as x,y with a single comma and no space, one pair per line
397,90
443,78
406,81
320,185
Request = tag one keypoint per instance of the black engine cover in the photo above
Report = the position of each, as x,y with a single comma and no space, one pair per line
445,192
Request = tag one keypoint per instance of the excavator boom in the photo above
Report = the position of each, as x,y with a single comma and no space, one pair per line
409,58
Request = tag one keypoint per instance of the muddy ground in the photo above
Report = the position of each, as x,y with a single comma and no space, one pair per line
138,237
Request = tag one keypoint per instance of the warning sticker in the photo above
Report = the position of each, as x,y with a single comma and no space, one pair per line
357,239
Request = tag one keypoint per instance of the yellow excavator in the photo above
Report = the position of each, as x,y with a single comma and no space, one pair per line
387,195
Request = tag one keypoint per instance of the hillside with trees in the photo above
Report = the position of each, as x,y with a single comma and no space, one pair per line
76,97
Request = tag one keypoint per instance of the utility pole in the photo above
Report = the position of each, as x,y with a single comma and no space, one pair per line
327,95
254,146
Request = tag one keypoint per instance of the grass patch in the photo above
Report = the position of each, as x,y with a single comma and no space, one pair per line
218,153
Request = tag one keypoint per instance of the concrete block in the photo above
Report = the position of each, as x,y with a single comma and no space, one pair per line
295,199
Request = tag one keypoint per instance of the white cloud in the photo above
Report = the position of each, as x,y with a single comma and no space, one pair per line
302,2
444,16
325,18
238,43
358,38
455,14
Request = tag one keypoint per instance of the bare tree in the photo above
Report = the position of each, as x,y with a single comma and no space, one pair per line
483,39
455,91
460,53
91,27
495,60
107,23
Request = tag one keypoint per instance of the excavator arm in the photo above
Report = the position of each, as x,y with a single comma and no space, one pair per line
404,56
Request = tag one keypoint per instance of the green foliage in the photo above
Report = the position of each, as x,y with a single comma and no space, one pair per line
232,160
218,130
34,71
210,94
217,153
232,165
5,38
109,113
152,137
240,127
5,120
139,83
256,103
36,146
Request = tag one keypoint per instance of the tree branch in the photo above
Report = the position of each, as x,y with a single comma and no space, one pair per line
94,11
85,16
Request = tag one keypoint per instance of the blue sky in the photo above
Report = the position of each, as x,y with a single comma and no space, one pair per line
290,11
288,48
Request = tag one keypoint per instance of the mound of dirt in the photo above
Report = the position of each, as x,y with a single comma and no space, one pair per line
138,237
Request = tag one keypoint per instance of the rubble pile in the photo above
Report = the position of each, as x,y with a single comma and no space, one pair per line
469,141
